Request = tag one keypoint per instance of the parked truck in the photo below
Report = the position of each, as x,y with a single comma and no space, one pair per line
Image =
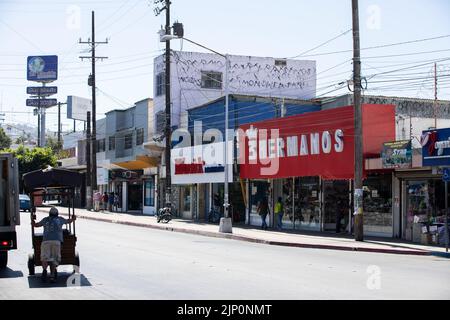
9,205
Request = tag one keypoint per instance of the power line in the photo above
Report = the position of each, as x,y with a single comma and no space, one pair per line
322,44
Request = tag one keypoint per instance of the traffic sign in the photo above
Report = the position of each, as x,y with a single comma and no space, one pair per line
43,103
446,174
42,90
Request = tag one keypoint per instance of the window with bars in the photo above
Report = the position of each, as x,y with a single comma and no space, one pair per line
139,136
129,141
211,80
112,143
160,84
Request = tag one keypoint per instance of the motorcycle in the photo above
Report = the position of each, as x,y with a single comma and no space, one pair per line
164,215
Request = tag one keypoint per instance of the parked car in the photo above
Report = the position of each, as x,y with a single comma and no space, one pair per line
25,202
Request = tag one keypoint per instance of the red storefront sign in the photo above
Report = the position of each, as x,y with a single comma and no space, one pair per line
313,144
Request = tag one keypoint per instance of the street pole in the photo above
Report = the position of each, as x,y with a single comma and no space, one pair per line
435,95
39,126
91,82
358,193
446,216
226,222
94,131
88,164
167,130
59,122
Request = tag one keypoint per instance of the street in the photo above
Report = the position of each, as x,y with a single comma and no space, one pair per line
127,262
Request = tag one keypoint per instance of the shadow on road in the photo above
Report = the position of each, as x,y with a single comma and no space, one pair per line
9,273
65,279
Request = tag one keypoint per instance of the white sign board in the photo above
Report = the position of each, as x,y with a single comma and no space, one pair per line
206,162
78,107
102,176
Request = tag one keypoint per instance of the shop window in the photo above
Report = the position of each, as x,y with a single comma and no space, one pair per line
112,143
129,141
101,145
378,202
187,198
211,80
149,195
259,190
139,136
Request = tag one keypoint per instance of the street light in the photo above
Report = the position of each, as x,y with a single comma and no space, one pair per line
226,222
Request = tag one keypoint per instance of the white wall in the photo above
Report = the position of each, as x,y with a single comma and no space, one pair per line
247,75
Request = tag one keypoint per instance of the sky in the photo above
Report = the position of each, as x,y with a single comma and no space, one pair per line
313,30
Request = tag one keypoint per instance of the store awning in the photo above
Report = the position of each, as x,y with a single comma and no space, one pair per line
141,162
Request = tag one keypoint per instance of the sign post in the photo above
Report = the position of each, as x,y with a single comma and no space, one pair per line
446,178
42,69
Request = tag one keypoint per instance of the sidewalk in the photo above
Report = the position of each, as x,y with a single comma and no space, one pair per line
253,234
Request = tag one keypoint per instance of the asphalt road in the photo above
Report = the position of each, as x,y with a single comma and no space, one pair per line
125,262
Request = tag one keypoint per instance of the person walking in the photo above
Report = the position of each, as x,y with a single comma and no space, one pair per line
110,201
116,202
263,211
97,198
279,211
104,201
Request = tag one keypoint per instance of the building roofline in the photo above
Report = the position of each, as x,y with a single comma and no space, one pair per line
256,97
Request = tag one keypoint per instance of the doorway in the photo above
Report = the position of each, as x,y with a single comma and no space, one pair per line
336,195
135,196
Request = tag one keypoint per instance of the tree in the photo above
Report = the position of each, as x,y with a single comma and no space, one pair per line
21,140
5,140
33,159
57,148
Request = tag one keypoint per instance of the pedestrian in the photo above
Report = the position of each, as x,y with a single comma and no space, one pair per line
116,202
51,241
110,201
97,198
263,210
279,211
104,201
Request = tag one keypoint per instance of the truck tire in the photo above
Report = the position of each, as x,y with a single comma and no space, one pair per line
3,259
31,269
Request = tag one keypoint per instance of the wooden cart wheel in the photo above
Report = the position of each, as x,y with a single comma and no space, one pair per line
3,259
77,263
31,269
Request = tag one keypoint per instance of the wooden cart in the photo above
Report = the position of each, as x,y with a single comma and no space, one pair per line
57,183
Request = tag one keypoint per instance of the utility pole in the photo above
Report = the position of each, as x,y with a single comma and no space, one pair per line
435,95
88,164
39,127
358,193
167,128
91,82
59,122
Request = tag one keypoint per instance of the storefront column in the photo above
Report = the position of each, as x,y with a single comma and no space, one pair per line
124,196
396,208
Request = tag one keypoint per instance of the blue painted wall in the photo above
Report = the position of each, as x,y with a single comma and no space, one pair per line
242,111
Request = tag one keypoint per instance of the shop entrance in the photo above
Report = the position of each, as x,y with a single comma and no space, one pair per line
134,197
337,198
424,211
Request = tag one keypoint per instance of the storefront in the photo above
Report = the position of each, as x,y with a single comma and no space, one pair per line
307,160
421,191
129,186
198,173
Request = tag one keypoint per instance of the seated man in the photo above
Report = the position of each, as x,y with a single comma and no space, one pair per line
52,239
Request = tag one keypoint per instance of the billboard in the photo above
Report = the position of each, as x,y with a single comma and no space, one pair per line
436,147
397,154
77,108
201,163
42,68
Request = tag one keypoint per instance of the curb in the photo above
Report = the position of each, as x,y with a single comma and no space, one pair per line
261,241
